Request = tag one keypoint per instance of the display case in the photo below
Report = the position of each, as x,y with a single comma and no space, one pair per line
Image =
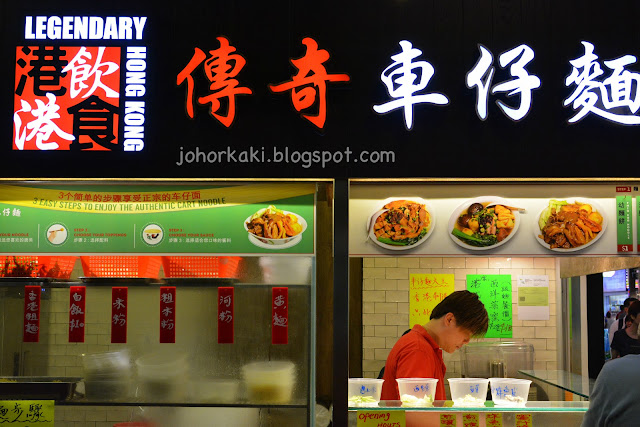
444,413
176,333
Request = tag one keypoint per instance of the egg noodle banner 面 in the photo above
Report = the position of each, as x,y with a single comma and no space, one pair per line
425,292
157,219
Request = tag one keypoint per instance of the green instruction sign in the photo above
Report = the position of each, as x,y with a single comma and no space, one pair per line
494,290
127,219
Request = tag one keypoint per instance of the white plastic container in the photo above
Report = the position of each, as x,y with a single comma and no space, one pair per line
214,390
269,382
162,377
419,392
468,392
364,392
512,392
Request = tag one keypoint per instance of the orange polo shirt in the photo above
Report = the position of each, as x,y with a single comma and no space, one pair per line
415,355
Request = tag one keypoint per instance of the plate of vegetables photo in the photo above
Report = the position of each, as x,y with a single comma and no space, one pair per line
273,228
484,223
569,225
401,224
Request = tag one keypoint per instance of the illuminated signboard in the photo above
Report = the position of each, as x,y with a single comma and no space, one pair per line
79,97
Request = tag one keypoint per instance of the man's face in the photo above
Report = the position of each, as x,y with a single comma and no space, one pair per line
455,336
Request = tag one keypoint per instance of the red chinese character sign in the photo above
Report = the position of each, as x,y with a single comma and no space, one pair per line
167,314
309,85
220,68
77,304
119,302
66,98
225,315
280,316
31,330
425,292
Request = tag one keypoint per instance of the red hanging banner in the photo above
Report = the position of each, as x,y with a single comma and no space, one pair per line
119,314
77,303
167,314
280,316
225,315
31,331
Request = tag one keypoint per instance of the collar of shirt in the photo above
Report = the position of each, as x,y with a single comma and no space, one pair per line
423,332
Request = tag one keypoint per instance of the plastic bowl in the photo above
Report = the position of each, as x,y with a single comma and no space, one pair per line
278,242
468,392
417,391
269,382
509,391
364,392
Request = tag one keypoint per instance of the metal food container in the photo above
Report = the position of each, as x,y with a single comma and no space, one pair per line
38,388
496,359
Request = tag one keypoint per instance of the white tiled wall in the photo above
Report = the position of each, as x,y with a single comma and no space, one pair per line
385,304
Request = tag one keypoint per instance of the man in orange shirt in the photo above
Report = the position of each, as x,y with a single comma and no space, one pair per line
418,354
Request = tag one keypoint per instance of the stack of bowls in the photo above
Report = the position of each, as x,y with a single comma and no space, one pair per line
107,376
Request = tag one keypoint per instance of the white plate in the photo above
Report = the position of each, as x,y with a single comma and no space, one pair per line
294,241
492,200
596,207
277,243
372,218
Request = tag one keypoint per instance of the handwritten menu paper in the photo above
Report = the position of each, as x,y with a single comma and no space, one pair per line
27,413
524,420
494,290
167,314
31,330
448,420
380,418
533,297
471,420
119,297
225,315
280,316
493,419
77,304
425,292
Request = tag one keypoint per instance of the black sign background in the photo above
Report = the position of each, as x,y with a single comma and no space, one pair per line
360,36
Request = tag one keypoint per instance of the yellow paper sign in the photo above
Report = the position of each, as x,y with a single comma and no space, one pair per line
524,420
448,420
493,419
381,419
471,420
26,413
425,292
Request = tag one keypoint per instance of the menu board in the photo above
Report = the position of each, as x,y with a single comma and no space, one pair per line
494,290
441,219
235,219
